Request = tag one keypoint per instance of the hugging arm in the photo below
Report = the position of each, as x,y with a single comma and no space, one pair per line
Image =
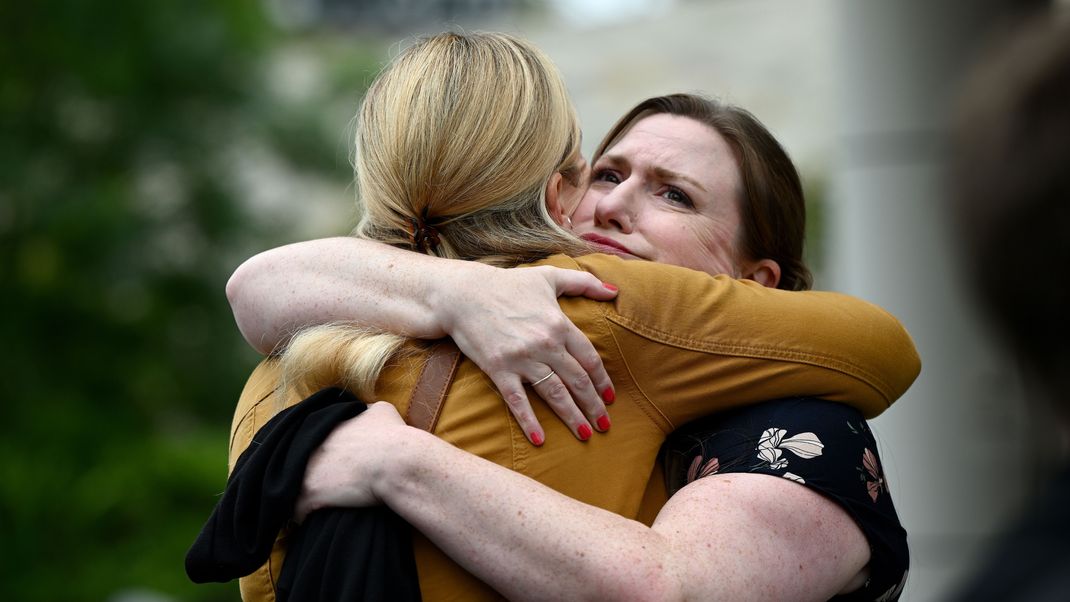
716,342
507,321
734,536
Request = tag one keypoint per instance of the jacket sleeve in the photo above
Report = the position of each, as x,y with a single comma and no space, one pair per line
694,344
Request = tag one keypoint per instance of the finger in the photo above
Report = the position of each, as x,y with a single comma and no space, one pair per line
575,283
579,384
557,396
516,399
580,348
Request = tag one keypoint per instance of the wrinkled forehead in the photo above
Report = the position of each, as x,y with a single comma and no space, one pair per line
665,142
607,144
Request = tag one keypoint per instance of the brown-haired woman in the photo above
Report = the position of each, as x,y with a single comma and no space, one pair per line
677,343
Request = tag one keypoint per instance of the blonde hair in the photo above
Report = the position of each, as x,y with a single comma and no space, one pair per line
461,132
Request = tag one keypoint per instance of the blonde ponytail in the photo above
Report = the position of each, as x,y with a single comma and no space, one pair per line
460,133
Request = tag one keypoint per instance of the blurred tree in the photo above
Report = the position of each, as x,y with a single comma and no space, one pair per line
119,223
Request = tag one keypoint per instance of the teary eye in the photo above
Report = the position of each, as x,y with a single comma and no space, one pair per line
607,175
677,196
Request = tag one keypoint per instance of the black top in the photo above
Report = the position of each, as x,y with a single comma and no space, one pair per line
337,553
825,446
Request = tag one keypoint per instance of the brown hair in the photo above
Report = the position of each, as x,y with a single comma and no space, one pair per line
772,207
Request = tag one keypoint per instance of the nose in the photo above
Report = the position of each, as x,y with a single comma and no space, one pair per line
617,208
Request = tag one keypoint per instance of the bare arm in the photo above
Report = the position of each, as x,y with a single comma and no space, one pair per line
507,321
277,292
721,537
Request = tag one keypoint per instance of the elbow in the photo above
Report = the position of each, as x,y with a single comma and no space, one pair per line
239,291
909,361
888,357
234,287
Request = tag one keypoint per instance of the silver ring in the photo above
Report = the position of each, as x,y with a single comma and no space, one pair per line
543,379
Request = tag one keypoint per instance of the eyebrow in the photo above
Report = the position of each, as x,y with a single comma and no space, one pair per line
668,174
659,172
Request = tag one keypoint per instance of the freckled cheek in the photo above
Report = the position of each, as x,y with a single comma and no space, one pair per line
709,251
679,244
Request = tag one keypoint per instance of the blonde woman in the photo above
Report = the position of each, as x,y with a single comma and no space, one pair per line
468,149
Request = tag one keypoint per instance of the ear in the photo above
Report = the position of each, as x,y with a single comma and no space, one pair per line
765,272
553,197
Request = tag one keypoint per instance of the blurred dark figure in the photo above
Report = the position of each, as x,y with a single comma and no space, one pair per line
1011,200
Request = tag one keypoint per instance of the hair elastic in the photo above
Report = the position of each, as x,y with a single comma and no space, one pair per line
423,233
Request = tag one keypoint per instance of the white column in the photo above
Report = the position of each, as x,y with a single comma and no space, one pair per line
956,451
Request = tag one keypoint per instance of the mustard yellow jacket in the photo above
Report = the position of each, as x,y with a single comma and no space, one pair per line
678,344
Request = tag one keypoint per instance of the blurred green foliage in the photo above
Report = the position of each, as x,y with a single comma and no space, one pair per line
119,224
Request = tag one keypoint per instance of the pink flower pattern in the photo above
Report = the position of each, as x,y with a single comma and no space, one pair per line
697,470
873,476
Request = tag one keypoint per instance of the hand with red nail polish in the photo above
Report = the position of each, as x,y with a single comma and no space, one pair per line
603,422
509,322
584,432
609,395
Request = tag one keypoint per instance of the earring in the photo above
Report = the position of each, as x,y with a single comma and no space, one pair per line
568,219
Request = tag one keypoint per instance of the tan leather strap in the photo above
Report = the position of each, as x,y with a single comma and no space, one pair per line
425,405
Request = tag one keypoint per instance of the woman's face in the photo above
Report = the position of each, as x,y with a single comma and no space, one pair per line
667,192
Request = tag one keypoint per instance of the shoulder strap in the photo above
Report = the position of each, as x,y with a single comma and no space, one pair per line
425,405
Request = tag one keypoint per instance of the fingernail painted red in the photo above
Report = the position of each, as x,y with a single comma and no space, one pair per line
610,287
608,395
536,438
584,432
603,422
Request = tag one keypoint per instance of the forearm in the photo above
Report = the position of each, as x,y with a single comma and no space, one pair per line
722,537
716,342
733,536
506,321
524,539
279,291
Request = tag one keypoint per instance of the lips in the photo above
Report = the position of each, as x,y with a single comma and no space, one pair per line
603,244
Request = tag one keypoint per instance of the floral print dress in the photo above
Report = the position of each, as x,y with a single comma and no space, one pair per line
822,445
